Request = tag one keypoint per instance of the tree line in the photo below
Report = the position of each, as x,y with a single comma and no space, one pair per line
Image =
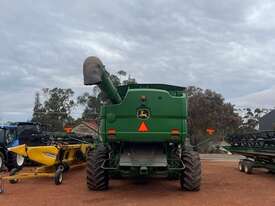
206,108
53,107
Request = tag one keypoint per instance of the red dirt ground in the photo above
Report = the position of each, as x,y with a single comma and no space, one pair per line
222,185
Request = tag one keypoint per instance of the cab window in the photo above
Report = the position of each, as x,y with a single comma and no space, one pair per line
10,135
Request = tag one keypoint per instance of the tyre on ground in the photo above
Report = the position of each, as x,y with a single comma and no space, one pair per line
13,173
248,166
15,161
97,177
190,179
241,166
58,178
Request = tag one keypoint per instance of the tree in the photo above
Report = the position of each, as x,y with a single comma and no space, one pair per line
130,80
122,73
93,101
92,104
251,118
207,109
38,109
56,109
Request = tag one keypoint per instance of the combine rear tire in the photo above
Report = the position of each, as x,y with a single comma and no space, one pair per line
190,179
97,177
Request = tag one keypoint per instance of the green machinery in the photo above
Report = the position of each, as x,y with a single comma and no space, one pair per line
142,133
258,148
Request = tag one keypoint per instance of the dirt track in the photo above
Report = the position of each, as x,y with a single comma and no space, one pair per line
222,185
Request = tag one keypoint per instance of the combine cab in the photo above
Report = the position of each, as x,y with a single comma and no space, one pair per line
142,133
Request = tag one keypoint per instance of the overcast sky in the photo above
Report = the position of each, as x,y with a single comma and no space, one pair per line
227,46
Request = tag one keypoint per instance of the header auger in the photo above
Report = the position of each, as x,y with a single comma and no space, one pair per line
142,132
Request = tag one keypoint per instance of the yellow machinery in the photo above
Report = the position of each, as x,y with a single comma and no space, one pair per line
54,160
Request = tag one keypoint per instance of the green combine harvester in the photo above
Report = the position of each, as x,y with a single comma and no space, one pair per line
258,148
142,133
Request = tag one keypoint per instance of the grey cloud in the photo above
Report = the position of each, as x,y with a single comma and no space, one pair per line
262,99
227,46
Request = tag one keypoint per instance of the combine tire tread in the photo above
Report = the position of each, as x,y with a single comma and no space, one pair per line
191,176
97,177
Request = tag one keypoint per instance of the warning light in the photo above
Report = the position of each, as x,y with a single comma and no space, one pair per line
175,132
143,127
210,131
68,130
111,131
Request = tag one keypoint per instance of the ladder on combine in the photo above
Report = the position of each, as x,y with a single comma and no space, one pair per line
258,148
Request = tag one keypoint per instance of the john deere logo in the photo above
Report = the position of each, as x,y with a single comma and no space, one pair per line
143,113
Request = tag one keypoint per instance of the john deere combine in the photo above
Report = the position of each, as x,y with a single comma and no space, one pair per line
142,132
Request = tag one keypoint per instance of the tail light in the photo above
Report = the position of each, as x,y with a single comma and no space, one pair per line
111,132
175,133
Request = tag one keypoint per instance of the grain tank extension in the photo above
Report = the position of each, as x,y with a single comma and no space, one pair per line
142,133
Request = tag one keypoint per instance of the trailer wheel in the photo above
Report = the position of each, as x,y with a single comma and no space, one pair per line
66,168
241,166
2,160
191,176
97,177
248,166
12,173
58,178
